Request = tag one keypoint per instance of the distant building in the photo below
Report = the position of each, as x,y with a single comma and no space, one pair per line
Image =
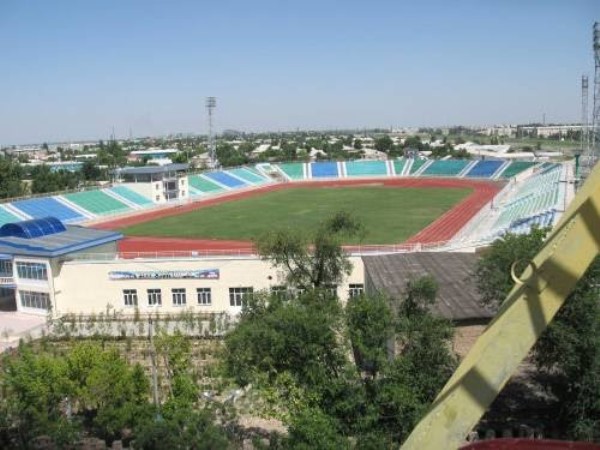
152,154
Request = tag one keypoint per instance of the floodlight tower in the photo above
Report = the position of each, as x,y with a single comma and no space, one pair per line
596,111
211,104
585,143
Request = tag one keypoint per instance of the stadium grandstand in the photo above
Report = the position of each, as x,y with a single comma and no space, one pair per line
53,248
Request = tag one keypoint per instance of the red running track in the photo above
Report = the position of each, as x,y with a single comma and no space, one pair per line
442,229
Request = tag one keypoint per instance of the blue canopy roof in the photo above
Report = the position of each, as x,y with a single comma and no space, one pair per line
29,229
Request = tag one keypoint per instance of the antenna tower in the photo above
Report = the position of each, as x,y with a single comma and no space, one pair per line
211,104
596,111
585,141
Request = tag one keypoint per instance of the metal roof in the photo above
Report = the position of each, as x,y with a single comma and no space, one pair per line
152,169
29,229
457,297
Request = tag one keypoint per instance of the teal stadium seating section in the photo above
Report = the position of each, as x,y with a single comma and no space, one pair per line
366,168
446,167
515,168
98,202
131,195
203,185
7,217
247,175
399,165
416,165
294,171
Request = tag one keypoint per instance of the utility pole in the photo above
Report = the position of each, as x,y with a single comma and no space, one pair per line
211,104
596,111
584,114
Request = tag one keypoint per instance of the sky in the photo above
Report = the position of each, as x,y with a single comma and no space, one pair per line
73,70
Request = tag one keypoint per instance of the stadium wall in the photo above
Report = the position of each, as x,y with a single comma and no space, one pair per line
87,287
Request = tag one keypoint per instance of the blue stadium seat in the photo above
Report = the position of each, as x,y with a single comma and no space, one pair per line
484,169
225,179
324,169
47,206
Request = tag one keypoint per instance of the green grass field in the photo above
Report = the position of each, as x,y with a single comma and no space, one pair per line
390,215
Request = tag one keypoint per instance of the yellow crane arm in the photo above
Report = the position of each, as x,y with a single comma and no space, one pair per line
524,315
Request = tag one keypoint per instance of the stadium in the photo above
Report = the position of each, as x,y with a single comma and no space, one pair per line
163,240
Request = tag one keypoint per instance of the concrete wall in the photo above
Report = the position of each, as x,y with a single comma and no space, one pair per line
86,286
465,336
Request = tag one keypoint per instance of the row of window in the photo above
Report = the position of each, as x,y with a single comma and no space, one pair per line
32,271
37,300
204,295
179,296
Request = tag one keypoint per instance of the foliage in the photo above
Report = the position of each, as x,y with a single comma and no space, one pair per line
569,349
10,179
371,327
181,428
384,144
274,336
176,353
98,386
312,429
311,261
493,270
44,180
228,156
296,353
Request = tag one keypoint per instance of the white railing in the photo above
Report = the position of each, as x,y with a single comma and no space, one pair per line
6,280
250,252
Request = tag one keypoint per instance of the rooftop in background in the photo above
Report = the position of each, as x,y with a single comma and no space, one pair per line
146,170
457,297
49,237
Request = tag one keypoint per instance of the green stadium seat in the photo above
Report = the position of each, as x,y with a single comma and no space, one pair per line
294,171
97,202
366,168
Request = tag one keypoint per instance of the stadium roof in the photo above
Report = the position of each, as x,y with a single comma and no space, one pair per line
457,297
151,169
49,237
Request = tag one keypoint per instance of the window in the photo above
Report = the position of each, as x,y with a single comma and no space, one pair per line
331,290
37,300
130,297
32,271
158,198
6,268
183,193
154,297
178,296
280,292
204,296
354,290
238,295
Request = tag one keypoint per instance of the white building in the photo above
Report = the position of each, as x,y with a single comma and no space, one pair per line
45,265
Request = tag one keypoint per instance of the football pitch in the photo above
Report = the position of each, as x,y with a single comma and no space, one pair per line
389,215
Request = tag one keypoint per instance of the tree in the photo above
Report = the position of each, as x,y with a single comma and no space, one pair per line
90,171
181,429
103,393
357,144
493,270
311,260
569,350
10,179
384,144
312,429
371,327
